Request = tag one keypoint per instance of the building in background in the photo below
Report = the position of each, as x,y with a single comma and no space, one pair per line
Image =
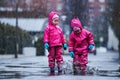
97,20
95,9
37,8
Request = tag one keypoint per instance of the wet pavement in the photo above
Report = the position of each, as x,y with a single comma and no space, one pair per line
102,66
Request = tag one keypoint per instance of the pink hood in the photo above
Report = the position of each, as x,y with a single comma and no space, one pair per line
52,13
53,34
76,22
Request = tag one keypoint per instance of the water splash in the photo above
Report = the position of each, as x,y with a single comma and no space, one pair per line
67,67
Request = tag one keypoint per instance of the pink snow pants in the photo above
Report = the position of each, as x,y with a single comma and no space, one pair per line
55,55
81,60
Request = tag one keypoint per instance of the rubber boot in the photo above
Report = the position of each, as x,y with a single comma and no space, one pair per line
59,70
75,72
82,72
52,71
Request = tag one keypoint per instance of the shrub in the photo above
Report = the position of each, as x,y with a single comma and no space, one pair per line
39,47
9,35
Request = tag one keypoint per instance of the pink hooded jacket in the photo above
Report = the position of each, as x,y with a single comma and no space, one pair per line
53,34
79,42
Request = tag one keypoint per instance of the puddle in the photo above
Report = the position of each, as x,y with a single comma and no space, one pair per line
43,70
14,66
11,74
21,66
28,63
4,63
108,73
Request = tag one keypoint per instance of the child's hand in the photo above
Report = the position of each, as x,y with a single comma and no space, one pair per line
71,54
91,48
46,45
65,46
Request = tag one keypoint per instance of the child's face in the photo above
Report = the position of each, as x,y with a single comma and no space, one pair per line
55,21
77,30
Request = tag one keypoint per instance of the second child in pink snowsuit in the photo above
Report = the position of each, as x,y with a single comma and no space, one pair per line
80,43
54,41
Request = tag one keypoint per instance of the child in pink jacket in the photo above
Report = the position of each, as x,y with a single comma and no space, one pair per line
54,41
80,43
